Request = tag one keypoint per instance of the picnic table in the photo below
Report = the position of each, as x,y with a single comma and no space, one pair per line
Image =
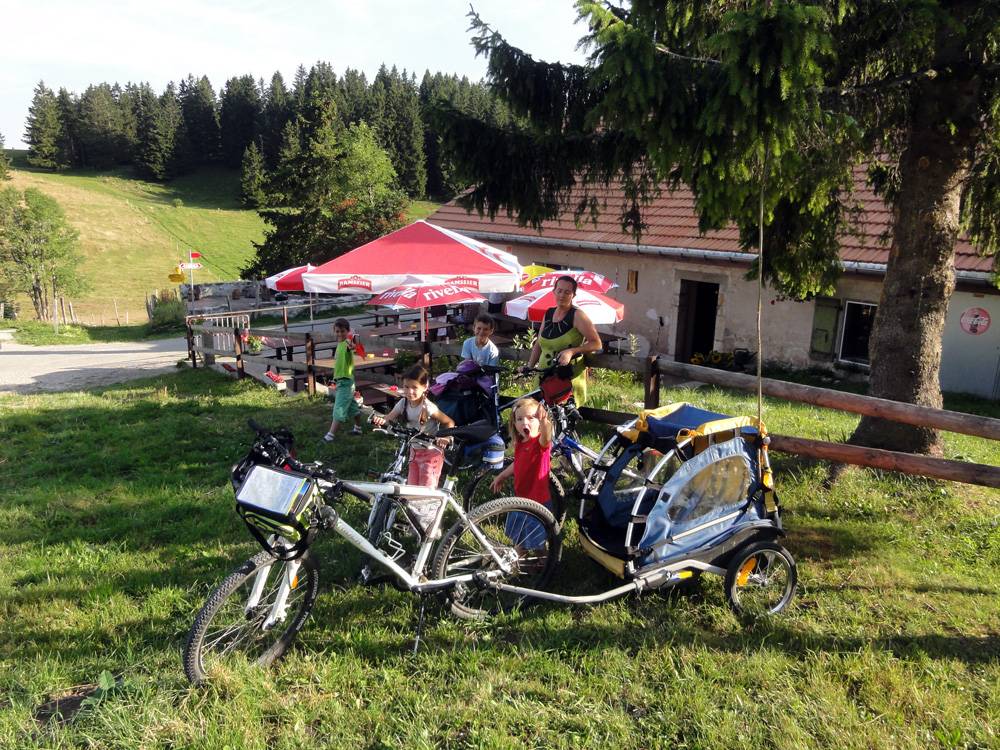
360,363
434,324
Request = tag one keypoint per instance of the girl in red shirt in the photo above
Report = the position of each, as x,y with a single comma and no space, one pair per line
531,431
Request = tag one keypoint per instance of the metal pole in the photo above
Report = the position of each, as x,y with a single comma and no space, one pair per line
191,273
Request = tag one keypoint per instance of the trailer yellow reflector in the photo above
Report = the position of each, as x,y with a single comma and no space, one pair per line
745,571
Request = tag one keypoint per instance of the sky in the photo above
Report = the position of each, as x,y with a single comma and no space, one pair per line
72,44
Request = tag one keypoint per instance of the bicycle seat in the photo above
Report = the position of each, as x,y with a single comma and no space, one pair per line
476,432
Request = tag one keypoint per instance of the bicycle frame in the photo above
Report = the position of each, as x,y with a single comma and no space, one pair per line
413,578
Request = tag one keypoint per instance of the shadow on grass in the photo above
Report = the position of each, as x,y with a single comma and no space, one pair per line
208,187
146,467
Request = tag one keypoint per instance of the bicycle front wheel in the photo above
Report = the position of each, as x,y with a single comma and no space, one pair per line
240,620
522,532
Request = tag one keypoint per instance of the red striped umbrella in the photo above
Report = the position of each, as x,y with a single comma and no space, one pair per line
600,308
415,296
289,280
586,280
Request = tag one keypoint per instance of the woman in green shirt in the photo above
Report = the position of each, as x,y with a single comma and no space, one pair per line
567,334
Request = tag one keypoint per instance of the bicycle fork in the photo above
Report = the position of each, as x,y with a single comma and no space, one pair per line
278,611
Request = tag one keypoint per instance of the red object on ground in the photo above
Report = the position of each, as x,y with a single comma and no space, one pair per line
587,280
419,253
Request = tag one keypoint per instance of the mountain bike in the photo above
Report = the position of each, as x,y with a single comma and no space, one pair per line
488,561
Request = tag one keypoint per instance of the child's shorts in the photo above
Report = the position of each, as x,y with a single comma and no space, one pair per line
345,408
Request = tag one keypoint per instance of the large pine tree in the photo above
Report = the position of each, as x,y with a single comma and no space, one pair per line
102,137
164,148
4,161
337,187
720,95
43,130
253,178
69,139
395,113
201,118
277,112
239,112
353,87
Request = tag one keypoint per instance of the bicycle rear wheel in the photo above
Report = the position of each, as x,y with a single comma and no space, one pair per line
228,628
522,532
477,490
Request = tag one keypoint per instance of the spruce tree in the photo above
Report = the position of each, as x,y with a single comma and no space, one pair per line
336,185
145,110
201,118
253,178
43,130
101,135
782,97
395,114
239,112
283,179
129,139
164,151
277,112
4,161
69,140
353,87
299,88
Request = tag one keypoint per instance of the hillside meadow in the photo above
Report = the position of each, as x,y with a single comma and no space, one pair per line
133,232
116,520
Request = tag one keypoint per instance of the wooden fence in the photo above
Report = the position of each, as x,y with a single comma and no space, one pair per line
649,370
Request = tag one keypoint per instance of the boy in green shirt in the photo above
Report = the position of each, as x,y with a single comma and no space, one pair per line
344,405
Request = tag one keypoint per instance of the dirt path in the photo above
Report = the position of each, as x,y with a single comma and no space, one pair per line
58,367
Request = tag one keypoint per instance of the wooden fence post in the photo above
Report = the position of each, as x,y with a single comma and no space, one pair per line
310,363
651,382
238,348
191,353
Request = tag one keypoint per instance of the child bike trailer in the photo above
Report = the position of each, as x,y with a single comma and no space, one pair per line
681,491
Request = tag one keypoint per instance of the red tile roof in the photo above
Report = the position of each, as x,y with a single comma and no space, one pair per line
672,222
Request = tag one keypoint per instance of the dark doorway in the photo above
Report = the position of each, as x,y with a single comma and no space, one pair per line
696,311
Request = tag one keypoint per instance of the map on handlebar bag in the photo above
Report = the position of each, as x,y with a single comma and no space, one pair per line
272,490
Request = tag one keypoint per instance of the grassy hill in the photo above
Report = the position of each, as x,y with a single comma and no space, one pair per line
133,232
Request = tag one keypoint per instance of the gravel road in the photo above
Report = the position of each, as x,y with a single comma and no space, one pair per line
59,367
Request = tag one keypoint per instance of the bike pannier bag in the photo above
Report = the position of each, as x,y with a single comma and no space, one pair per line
273,501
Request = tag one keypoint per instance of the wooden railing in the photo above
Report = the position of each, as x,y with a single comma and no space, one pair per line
649,371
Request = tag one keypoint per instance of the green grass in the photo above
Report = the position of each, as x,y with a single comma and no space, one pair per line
421,210
116,520
35,333
132,235
133,232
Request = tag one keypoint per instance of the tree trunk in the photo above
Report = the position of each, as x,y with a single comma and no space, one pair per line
905,345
